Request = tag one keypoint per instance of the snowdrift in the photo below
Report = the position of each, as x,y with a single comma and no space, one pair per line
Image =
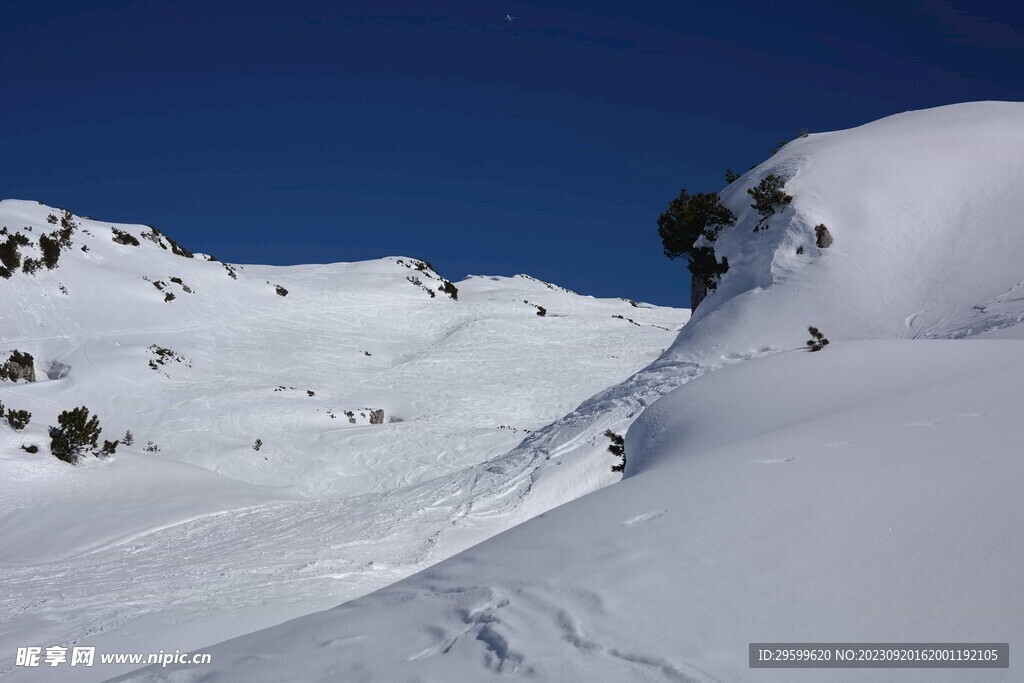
865,493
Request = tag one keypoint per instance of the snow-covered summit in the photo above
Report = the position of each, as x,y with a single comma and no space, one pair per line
200,359
925,212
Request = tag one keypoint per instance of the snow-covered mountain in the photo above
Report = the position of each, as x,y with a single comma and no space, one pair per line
866,493
208,537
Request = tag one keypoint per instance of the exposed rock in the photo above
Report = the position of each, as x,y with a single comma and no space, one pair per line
19,366
822,237
377,416
57,370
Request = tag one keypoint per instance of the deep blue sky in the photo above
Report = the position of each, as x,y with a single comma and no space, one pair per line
306,131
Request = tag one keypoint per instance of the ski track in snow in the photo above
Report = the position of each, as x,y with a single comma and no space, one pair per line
299,556
349,508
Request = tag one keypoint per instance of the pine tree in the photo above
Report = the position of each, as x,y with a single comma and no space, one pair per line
688,219
617,448
768,195
817,341
76,433
49,246
18,419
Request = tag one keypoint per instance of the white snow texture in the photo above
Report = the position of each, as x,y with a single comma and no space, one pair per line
866,493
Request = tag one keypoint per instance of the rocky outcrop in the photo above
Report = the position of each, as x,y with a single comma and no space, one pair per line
377,416
822,237
57,370
19,366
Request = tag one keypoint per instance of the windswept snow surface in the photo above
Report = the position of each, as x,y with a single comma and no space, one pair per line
865,493
209,538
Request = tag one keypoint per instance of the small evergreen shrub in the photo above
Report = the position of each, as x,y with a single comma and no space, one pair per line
18,365
800,250
67,220
768,196
153,235
49,245
18,419
51,219
31,448
67,229
731,176
166,356
617,448
177,249
128,439
817,341
281,291
122,237
257,445
10,259
541,311
151,447
169,297
450,289
157,237
31,265
75,434
108,449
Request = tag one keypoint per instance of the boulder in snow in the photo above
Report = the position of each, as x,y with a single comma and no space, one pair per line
19,366
822,237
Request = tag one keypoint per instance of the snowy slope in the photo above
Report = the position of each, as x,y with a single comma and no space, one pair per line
865,493
209,538
925,211
760,506
925,216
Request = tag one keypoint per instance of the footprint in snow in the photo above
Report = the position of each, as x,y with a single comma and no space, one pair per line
646,517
